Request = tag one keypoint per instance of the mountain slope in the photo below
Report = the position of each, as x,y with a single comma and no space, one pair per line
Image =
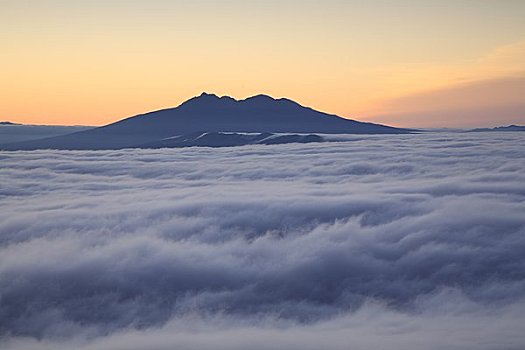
13,132
221,139
210,113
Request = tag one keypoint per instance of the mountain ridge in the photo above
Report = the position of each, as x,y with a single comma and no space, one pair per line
500,128
210,113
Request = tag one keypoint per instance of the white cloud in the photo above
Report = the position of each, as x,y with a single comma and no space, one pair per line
398,241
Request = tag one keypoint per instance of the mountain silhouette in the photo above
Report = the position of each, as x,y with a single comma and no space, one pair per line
209,113
501,128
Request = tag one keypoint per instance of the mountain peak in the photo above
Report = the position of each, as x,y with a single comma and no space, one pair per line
205,94
260,97
213,97
206,100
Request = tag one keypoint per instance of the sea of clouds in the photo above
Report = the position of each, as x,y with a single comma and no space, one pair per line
377,242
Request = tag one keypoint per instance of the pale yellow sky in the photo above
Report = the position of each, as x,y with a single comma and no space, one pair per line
412,63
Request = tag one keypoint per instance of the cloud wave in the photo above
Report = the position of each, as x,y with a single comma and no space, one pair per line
376,241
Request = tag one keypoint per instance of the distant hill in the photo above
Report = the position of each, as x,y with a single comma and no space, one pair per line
209,113
14,132
500,128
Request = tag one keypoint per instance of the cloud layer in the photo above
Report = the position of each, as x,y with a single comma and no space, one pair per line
400,241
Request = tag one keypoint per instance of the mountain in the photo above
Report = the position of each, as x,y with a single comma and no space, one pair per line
501,128
222,139
13,132
209,113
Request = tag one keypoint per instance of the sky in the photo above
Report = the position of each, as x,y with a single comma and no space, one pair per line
408,63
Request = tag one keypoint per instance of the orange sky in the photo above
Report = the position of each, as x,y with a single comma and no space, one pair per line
409,63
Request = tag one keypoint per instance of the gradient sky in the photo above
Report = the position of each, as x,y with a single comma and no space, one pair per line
413,63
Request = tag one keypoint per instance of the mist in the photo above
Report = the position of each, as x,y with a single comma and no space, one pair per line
399,242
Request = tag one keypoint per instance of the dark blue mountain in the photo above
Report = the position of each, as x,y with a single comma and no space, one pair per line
501,128
209,113
13,132
222,139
